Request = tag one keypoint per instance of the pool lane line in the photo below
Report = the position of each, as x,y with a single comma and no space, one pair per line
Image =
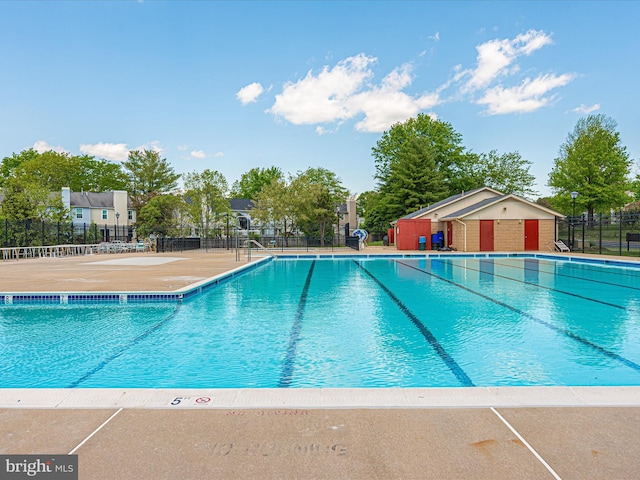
556,274
456,369
133,342
582,297
287,370
567,333
526,444
95,431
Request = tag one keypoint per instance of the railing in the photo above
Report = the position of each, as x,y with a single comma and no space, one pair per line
610,234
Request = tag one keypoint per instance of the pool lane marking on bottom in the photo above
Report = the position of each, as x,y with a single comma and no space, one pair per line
294,336
119,352
95,431
567,333
571,294
456,369
557,274
526,444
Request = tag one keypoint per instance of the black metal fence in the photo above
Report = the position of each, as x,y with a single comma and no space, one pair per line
607,234
281,243
31,233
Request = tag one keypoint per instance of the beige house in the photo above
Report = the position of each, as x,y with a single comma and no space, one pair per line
108,210
485,220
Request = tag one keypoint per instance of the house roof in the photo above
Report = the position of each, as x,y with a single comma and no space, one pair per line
241,204
447,201
93,200
491,201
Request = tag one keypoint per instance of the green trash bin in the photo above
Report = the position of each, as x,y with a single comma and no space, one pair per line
422,243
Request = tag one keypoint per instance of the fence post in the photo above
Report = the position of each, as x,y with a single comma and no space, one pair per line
620,236
600,243
583,233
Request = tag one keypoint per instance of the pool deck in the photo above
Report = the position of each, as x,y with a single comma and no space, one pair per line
440,433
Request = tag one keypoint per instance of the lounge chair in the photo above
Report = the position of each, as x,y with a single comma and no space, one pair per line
561,246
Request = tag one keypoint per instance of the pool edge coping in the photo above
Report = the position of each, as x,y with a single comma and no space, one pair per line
320,398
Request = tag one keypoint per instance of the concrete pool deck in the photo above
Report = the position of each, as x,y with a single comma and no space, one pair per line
459,433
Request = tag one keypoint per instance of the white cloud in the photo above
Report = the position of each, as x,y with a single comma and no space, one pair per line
324,98
250,93
583,109
497,57
526,97
198,154
435,37
343,92
218,154
41,146
109,151
183,148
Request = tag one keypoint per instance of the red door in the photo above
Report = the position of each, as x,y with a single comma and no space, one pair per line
449,234
486,235
531,235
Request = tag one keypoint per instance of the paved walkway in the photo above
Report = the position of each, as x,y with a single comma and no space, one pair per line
530,433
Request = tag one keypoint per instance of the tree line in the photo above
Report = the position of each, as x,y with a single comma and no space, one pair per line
417,163
422,161
306,201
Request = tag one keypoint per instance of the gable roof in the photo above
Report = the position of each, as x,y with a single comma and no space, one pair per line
92,199
481,205
447,201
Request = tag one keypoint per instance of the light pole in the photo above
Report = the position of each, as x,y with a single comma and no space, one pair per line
574,195
117,217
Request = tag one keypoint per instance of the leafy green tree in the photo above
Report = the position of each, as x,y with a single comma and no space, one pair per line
252,182
438,137
161,216
206,195
25,200
277,205
507,173
593,162
148,175
413,182
54,170
319,192
369,208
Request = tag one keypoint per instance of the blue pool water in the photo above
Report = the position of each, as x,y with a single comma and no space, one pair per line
396,322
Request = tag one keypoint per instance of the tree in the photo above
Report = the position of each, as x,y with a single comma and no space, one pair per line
252,182
148,175
413,181
277,204
507,173
206,195
160,216
444,143
25,200
54,170
319,192
593,162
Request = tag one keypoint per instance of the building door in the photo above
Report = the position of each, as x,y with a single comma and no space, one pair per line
449,234
486,235
531,235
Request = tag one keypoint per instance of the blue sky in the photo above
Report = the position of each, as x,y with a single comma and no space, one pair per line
234,85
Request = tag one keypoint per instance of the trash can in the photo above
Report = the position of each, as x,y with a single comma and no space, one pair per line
422,243
434,241
440,239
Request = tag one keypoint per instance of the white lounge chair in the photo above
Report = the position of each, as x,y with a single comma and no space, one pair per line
561,246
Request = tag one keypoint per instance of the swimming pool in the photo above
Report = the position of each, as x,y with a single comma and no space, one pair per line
391,322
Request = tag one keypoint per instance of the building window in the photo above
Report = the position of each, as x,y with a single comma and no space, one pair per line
130,214
78,213
104,214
